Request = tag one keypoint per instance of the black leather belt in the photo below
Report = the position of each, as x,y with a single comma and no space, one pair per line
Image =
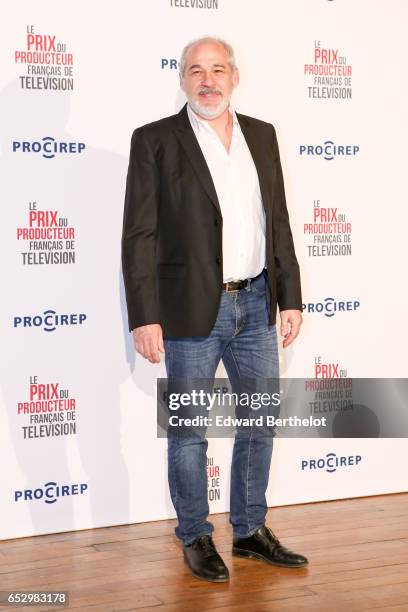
237,285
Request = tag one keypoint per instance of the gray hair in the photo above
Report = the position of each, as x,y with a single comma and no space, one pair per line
227,47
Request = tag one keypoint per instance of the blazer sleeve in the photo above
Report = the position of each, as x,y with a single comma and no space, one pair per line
139,233
289,295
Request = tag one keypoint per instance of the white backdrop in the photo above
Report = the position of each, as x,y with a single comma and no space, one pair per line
108,467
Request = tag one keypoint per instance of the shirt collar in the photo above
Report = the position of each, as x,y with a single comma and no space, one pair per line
200,124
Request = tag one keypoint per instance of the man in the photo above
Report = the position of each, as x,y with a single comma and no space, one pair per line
207,255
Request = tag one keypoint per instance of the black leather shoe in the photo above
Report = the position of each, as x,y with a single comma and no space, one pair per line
263,544
202,558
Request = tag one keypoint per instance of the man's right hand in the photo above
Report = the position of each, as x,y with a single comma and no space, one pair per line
148,341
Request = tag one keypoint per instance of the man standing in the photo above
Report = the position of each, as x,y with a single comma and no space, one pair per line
207,255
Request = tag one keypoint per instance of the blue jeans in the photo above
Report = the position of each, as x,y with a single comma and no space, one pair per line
247,345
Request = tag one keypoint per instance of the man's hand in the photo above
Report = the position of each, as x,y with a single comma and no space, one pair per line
148,340
291,320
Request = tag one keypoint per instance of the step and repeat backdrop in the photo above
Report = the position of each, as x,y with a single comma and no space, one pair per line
79,445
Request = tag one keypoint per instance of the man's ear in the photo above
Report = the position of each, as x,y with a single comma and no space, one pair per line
181,82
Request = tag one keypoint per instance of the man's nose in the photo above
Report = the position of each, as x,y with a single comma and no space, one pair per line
208,79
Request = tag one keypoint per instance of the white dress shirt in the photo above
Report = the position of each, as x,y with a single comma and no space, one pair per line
236,182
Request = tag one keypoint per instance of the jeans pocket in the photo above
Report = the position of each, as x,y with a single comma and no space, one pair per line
259,285
259,291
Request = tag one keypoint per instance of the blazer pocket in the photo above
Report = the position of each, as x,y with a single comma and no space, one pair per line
173,270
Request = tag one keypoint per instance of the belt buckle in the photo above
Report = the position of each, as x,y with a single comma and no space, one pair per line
227,290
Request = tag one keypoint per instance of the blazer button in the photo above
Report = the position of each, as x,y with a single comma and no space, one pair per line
218,260
216,222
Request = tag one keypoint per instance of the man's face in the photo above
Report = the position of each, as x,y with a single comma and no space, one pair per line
208,79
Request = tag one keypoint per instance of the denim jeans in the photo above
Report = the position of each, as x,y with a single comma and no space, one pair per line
247,345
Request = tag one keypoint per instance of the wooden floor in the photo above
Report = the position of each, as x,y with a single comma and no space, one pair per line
357,549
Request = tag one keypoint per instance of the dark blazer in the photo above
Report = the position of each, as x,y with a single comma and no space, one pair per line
172,228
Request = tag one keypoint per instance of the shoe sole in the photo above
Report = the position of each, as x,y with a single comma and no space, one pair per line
239,552
208,579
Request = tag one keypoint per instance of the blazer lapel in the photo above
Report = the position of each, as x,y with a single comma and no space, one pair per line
189,142
259,157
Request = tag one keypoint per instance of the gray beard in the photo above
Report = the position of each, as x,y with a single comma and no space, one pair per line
209,113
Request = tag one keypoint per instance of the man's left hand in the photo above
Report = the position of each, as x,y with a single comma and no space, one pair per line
291,320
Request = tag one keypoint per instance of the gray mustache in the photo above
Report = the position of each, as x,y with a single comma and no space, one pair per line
209,90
